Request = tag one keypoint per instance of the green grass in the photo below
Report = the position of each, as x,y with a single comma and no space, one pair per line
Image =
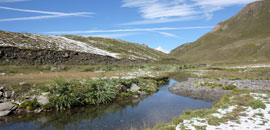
257,104
245,39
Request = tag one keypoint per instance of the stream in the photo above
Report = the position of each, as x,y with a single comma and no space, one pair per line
139,113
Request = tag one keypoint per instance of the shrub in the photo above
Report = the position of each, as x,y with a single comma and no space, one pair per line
66,94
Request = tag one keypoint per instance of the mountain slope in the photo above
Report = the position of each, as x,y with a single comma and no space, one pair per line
243,38
99,46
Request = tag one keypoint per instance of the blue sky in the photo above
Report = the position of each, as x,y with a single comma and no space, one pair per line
164,23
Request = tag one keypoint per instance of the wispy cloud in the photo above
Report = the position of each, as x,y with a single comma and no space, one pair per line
44,12
208,7
50,14
168,34
162,11
40,17
113,35
11,1
128,30
154,9
162,20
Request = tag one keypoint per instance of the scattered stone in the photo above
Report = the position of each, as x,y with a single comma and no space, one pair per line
53,68
153,89
2,74
24,84
66,55
7,94
6,108
26,97
135,96
38,110
134,88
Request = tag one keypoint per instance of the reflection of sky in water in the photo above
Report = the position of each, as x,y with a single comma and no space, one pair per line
160,107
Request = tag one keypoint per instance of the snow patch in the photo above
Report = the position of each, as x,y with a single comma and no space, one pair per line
250,66
159,48
255,118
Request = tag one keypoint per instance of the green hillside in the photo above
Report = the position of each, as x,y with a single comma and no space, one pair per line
243,38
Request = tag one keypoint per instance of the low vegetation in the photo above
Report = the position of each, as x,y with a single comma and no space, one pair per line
214,84
65,94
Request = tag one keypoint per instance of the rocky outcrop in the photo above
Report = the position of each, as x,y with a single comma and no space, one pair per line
13,55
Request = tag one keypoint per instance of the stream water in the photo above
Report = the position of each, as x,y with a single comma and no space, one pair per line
133,113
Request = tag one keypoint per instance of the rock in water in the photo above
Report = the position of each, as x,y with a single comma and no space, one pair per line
134,88
6,108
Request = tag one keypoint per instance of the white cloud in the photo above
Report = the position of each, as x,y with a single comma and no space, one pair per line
168,34
129,30
159,48
51,14
11,1
162,11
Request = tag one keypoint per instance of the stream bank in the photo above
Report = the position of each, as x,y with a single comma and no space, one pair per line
65,94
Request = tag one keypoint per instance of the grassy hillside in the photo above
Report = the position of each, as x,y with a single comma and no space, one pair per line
243,38
123,48
101,46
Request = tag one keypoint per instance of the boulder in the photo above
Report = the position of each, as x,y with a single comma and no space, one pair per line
142,93
121,88
43,99
134,88
6,108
